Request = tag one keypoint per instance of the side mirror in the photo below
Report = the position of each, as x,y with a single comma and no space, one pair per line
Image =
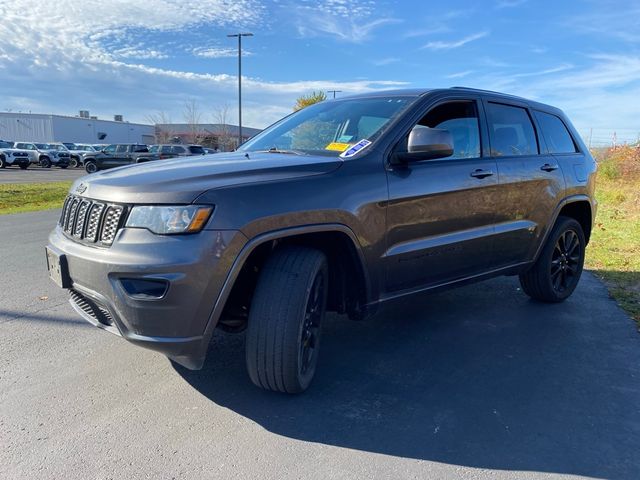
426,144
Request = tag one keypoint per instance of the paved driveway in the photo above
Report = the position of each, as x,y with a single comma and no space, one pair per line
478,382
36,174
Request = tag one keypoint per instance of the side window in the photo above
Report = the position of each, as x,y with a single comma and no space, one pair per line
111,149
511,131
555,133
178,149
461,120
122,149
165,149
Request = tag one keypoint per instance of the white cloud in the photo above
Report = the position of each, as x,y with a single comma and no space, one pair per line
383,62
463,74
444,45
99,63
218,52
140,53
348,20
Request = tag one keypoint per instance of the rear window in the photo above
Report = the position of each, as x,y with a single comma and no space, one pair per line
511,131
555,133
196,150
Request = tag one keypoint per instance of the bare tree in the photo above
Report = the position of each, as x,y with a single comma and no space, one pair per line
226,139
162,121
192,117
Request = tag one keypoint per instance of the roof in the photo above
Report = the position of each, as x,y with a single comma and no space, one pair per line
418,92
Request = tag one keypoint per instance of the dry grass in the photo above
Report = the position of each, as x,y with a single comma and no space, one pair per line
614,251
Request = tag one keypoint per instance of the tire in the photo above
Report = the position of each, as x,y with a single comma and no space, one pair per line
73,163
285,319
3,162
24,166
556,273
63,166
90,167
45,162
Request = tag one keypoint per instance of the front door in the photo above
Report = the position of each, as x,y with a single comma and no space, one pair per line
441,215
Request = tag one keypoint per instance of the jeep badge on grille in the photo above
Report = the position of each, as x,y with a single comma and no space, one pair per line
81,188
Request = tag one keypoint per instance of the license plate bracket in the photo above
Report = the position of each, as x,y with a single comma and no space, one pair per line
58,268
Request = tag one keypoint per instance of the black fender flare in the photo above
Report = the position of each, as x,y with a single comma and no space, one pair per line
556,213
262,238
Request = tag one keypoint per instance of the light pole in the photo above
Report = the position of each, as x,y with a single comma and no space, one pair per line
240,35
334,92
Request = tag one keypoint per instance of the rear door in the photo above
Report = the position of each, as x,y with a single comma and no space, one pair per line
122,156
530,180
440,215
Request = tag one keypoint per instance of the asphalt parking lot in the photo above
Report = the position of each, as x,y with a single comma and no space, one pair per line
478,382
36,174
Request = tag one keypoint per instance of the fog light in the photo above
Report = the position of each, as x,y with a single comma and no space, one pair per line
144,289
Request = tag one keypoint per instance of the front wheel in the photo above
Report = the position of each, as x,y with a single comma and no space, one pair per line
285,318
73,163
45,162
556,273
3,162
24,166
90,167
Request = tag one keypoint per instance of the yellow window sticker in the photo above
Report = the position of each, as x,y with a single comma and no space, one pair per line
338,147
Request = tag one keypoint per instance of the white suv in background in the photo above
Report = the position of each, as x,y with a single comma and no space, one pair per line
44,154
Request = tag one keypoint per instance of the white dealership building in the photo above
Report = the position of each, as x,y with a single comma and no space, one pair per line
33,127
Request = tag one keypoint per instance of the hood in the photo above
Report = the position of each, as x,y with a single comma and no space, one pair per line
183,179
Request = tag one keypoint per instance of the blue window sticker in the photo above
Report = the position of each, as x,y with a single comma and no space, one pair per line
355,149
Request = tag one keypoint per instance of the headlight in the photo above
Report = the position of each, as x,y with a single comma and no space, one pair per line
168,220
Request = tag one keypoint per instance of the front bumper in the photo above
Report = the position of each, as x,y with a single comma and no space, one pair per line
179,323
20,161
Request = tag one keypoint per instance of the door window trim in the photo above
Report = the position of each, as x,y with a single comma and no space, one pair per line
425,109
536,131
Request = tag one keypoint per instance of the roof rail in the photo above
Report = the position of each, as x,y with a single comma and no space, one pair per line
486,91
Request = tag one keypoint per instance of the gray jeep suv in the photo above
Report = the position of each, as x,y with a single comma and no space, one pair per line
342,206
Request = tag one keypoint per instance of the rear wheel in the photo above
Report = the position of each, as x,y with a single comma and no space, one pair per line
73,163
90,167
285,318
556,273
45,162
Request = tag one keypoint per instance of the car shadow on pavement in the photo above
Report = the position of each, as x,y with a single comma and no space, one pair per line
479,377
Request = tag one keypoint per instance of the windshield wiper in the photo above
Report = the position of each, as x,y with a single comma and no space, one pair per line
286,152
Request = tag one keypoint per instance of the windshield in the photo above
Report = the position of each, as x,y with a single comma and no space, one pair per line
4,144
330,127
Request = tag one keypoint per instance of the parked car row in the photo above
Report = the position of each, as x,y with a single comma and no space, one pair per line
23,154
92,157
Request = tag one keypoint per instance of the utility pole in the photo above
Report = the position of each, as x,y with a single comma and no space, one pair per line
334,92
240,35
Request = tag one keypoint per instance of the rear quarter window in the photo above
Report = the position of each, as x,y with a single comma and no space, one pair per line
555,133
195,150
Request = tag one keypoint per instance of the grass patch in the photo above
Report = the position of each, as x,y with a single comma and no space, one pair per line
614,251
30,197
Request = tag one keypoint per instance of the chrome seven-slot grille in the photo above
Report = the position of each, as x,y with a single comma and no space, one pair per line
91,221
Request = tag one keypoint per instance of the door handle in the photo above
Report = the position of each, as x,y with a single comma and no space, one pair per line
479,173
548,167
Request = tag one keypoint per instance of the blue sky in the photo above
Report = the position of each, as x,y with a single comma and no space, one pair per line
140,58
